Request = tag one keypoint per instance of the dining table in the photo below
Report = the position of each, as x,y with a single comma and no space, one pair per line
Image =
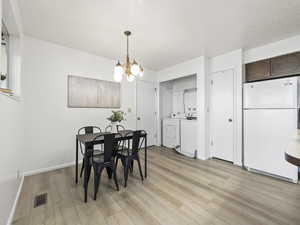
88,140
292,153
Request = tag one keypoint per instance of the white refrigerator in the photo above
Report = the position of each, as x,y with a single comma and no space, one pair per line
270,122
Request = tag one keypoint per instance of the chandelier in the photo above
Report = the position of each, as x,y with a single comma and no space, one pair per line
130,69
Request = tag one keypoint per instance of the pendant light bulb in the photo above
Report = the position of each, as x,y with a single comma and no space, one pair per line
130,78
118,72
135,68
141,74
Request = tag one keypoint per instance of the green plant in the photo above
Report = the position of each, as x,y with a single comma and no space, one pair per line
117,116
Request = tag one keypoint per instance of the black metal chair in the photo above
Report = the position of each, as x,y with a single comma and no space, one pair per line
108,128
105,161
128,155
88,130
120,128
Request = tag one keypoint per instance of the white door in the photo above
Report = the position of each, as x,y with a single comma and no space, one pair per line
146,109
279,93
221,115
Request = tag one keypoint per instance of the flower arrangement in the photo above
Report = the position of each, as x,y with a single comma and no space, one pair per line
117,116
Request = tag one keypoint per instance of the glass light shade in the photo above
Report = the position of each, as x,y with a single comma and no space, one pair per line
118,73
118,77
135,68
130,78
141,72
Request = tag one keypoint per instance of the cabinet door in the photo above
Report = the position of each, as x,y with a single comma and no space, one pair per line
285,65
258,70
188,137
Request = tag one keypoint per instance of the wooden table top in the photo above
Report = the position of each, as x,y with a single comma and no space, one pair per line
85,138
292,154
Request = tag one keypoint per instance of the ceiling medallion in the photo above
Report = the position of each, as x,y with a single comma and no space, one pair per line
130,69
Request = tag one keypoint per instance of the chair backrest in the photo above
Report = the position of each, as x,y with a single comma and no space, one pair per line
142,138
120,127
136,138
109,145
108,128
88,130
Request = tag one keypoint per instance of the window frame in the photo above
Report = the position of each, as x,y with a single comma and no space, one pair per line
5,41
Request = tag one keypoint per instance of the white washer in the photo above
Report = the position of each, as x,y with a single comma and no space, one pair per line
171,133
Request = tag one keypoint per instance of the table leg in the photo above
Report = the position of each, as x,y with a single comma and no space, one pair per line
146,156
76,166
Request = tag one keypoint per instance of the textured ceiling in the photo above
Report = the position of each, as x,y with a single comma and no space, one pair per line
165,32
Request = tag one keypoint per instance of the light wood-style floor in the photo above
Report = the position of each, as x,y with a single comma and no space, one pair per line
178,191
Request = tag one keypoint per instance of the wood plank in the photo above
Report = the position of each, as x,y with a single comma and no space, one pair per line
177,191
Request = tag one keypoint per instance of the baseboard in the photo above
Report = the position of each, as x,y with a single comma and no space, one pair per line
13,209
47,169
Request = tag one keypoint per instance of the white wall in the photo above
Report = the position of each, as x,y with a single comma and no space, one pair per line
278,48
165,100
50,126
184,83
11,154
172,94
233,60
11,134
195,66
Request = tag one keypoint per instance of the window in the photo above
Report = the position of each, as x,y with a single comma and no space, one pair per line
4,58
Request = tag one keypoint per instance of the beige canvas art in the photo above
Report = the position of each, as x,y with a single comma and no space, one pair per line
92,93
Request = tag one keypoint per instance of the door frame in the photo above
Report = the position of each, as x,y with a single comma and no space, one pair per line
234,114
155,102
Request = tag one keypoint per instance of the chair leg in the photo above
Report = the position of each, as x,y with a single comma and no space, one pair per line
131,166
140,167
109,172
97,178
123,161
82,168
116,163
89,168
126,172
115,176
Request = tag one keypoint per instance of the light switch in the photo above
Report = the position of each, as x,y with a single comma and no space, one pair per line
129,110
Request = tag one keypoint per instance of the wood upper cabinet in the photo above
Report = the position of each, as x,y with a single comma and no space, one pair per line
258,70
285,65
280,66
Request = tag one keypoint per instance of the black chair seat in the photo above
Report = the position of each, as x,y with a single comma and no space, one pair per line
99,159
124,152
98,152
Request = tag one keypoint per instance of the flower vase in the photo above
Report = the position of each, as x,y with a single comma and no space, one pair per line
114,128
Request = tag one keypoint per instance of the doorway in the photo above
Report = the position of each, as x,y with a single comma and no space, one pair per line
146,109
222,115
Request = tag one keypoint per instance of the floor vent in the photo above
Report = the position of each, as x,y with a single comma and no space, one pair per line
40,200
